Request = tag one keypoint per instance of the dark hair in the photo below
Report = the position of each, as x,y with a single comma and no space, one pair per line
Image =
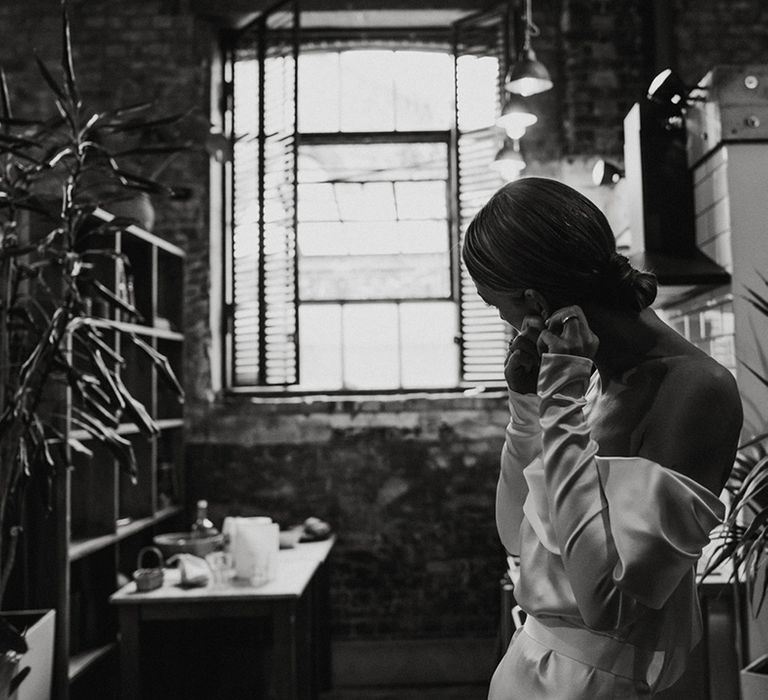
541,234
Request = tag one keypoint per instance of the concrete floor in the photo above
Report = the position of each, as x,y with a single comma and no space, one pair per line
444,692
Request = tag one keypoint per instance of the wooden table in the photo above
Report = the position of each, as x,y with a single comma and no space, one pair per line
296,601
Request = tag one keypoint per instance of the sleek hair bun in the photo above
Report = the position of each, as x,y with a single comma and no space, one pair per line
636,289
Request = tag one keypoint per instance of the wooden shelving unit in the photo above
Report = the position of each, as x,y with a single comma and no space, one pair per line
101,518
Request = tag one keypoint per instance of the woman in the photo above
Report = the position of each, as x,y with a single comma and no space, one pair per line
609,480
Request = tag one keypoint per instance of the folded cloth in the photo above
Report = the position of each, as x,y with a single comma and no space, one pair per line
195,571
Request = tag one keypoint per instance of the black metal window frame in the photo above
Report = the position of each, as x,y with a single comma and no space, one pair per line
398,38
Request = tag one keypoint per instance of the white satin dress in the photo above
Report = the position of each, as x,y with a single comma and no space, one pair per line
608,548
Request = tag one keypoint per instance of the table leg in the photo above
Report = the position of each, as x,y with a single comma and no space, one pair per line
321,629
130,676
284,673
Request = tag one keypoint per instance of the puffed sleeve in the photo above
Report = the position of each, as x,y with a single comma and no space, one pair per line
522,444
627,529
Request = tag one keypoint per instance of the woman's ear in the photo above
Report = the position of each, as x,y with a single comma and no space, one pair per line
536,303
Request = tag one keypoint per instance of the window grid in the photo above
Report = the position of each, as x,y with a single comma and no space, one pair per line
444,295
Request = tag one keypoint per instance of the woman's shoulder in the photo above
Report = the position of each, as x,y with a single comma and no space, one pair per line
696,377
687,381
696,419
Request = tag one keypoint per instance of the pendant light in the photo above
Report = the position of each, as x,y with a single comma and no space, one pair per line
509,161
515,117
606,173
668,91
668,97
528,75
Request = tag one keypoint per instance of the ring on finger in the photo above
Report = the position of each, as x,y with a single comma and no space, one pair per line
569,318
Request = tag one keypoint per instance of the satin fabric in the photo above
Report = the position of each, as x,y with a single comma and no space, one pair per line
607,545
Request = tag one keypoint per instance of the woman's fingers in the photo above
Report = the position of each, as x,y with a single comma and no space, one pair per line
524,358
568,333
549,342
566,319
521,367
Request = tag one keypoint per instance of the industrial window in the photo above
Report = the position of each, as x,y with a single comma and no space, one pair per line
356,166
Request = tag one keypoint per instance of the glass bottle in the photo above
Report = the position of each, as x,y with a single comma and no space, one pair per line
203,527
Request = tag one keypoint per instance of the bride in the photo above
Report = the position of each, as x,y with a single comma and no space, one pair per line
622,435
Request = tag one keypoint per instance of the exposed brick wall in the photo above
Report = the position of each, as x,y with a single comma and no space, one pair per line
709,32
409,487
599,59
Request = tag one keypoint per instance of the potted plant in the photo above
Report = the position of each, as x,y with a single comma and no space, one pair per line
741,542
56,170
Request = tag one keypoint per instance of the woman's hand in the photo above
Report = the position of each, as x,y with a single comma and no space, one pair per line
568,333
521,367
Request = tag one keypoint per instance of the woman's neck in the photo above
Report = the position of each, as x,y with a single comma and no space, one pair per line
627,340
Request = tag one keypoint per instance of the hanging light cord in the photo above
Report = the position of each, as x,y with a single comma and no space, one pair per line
531,29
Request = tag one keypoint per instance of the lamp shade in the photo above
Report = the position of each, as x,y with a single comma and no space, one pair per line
606,173
515,117
508,162
528,75
668,91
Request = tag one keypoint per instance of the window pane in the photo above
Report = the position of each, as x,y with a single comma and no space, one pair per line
478,88
373,161
423,236
373,238
430,356
319,92
421,200
423,90
316,202
373,90
367,91
371,346
320,356
417,276
370,201
354,238
322,239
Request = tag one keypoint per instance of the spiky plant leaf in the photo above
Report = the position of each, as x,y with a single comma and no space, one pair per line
757,300
79,447
136,410
120,448
50,80
115,300
5,100
95,337
162,364
66,58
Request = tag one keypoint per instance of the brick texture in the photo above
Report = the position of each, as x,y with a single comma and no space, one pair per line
408,489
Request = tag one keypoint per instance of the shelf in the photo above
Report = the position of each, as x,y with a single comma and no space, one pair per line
131,428
141,233
82,548
85,659
138,329
102,518
140,524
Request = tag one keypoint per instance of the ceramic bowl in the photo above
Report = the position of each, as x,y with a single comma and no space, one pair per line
171,543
